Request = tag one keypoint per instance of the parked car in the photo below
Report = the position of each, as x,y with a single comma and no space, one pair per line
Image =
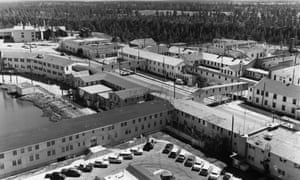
168,148
189,161
215,173
205,169
197,165
148,146
85,168
55,176
179,81
136,151
180,157
71,172
227,176
175,151
114,159
128,157
101,164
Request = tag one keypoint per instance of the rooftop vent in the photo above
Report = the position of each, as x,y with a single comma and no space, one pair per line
268,136
40,56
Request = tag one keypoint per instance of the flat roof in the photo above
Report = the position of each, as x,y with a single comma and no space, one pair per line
98,88
152,56
111,78
44,57
223,59
218,118
105,95
80,124
132,92
284,143
261,71
224,85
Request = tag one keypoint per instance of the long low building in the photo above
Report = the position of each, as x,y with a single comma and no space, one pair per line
156,63
51,66
26,150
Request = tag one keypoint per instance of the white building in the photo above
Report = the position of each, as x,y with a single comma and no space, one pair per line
232,43
51,66
26,150
89,47
275,150
159,64
23,33
276,96
287,75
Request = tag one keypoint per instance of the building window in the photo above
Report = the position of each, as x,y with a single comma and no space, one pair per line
14,153
284,99
1,156
267,94
257,100
274,105
37,147
29,148
52,143
37,157
22,150
70,138
31,158
274,96
63,140
294,101
49,153
14,162
19,161
77,136
266,102
293,110
1,166
48,144
283,107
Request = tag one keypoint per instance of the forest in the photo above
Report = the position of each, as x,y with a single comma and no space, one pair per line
165,22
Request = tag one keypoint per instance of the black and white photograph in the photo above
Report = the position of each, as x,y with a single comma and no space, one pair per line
150,89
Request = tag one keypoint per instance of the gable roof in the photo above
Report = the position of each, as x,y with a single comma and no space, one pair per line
278,88
152,56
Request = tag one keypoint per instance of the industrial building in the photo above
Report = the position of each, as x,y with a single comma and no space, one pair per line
26,150
50,66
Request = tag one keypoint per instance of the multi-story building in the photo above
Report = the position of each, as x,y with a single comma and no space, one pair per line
23,33
232,43
275,151
271,61
26,150
142,43
51,66
89,47
287,75
167,66
276,96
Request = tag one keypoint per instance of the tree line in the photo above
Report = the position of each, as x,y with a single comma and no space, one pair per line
273,23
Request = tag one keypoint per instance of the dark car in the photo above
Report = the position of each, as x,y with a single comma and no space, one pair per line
148,146
100,164
87,168
173,154
127,157
71,172
55,176
137,151
168,148
189,161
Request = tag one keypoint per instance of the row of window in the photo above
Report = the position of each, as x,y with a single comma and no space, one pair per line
284,98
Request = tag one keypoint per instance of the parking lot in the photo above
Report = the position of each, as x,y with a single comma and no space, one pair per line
154,161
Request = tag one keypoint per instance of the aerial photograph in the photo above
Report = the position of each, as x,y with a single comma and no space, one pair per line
150,89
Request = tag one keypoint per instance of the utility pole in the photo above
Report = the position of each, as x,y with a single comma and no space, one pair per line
232,132
174,89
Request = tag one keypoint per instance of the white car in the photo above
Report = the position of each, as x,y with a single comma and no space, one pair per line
197,164
215,173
